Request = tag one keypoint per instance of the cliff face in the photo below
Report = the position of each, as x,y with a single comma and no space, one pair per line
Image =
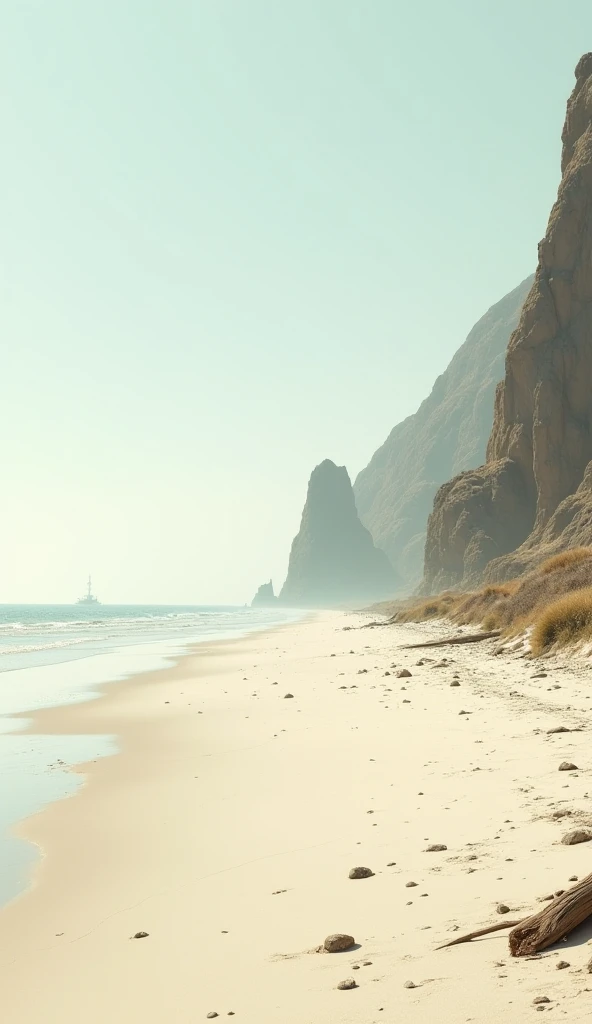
333,561
447,434
265,597
534,488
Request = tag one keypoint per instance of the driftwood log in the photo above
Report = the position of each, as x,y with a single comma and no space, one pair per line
550,925
466,638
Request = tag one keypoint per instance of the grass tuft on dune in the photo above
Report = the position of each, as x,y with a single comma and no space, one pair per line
566,621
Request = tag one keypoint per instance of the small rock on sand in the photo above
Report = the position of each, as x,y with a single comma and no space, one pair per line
287,695
347,983
361,873
439,848
568,766
409,984
411,885
557,728
573,878
403,673
210,1016
455,682
502,908
337,942
562,965
141,935
538,1000
579,835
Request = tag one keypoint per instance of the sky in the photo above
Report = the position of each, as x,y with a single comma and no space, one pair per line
240,237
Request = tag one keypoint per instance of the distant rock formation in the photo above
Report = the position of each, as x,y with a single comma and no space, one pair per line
448,433
534,493
333,561
265,597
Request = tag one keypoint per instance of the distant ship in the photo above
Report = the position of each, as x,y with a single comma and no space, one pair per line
89,597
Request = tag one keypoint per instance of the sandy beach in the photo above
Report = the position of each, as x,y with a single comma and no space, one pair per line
228,824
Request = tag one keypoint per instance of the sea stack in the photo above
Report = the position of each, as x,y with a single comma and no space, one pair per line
533,496
333,561
265,597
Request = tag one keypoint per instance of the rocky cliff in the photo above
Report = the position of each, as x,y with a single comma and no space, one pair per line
534,491
333,561
265,597
448,433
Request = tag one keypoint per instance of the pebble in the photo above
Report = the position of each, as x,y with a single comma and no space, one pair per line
568,766
347,983
538,1000
410,885
455,682
287,695
210,1016
562,965
141,935
361,873
392,864
502,908
439,848
403,673
573,878
409,984
338,941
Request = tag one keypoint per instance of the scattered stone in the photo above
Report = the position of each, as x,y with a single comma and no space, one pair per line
287,695
455,682
559,892
464,712
392,864
573,878
411,885
362,671
337,942
367,963
409,984
141,935
502,908
540,999
568,766
439,847
210,1016
348,983
556,729
579,835
539,675
387,673
403,673
561,965
361,873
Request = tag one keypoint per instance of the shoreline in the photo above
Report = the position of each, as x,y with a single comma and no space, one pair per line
227,823
40,780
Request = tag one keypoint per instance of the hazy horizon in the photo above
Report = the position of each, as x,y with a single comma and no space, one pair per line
241,239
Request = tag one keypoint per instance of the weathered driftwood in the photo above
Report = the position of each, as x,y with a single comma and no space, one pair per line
481,931
466,638
553,923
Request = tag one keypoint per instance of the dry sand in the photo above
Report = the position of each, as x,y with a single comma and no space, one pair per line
227,826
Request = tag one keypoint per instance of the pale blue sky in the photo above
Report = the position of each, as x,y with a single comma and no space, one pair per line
239,237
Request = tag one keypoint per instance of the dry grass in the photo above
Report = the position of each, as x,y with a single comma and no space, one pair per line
565,621
556,599
565,560
439,607
485,603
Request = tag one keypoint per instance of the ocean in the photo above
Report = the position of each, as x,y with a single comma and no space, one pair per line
60,654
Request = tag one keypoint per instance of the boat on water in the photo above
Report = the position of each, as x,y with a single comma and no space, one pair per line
89,597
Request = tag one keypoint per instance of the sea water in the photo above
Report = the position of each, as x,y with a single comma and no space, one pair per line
59,654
